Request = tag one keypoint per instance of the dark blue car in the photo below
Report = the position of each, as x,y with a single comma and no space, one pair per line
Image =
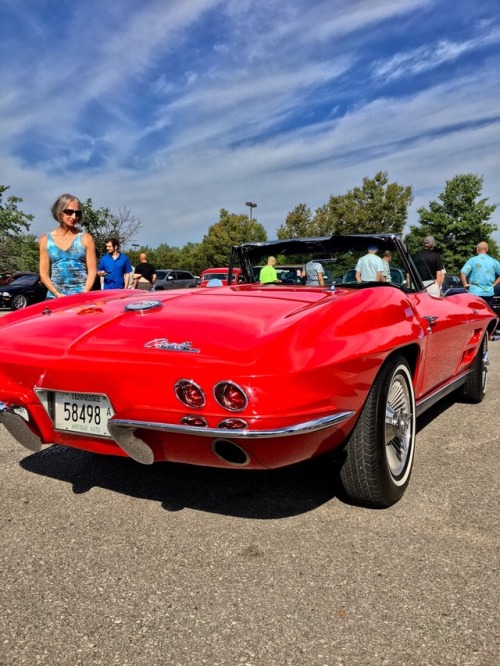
496,300
22,291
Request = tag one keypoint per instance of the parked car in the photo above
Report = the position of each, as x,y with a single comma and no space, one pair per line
22,291
451,282
287,273
221,274
10,276
293,273
174,279
496,300
5,276
398,276
250,376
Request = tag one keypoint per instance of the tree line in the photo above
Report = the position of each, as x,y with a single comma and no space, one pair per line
458,220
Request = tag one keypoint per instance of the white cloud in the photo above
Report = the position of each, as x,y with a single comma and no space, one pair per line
262,112
429,57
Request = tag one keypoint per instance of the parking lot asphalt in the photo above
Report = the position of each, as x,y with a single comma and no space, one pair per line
105,561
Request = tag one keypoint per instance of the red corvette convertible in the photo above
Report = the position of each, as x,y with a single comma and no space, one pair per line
249,375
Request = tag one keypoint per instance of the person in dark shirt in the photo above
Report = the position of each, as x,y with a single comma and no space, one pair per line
430,266
144,274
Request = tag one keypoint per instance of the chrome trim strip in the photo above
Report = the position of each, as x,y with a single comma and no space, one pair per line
434,397
116,427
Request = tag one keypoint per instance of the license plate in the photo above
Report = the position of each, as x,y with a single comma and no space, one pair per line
86,413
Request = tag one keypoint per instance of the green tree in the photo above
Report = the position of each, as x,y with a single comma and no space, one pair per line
376,207
135,251
231,229
458,221
19,253
168,257
29,252
298,223
190,259
101,223
13,224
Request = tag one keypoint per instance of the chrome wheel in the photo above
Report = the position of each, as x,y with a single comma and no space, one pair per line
378,456
19,301
484,364
399,423
474,388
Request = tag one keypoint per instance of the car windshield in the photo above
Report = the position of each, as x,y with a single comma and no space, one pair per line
24,279
219,276
338,256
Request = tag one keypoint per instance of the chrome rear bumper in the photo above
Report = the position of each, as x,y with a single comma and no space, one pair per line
123,431
19,428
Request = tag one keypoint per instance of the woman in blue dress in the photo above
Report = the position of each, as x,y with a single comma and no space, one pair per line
68,262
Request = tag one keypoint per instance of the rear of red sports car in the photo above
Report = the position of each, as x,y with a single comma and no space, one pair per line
241,376
208,377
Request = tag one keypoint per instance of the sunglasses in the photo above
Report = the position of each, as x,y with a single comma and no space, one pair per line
70,213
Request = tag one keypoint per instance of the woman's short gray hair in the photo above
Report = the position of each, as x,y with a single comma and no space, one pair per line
61,203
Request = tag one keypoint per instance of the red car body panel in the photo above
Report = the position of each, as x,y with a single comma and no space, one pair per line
305,358
284,358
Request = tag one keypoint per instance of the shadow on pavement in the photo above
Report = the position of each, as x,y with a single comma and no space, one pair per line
243,493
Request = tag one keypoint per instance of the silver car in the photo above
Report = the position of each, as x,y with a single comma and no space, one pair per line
174,279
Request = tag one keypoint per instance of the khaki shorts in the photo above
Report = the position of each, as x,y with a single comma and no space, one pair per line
145,286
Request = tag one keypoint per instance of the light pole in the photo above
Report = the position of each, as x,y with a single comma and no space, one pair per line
251,206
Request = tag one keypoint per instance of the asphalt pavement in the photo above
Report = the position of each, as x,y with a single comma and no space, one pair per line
105,561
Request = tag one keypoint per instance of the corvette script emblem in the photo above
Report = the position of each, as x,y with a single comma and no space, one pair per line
163,343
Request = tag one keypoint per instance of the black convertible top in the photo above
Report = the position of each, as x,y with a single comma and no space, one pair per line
247,255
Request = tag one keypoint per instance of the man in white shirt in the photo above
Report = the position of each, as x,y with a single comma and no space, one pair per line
370,268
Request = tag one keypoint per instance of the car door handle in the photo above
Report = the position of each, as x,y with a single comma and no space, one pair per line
431,320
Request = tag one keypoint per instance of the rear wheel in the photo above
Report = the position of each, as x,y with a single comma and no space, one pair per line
474,388
18,302
378,456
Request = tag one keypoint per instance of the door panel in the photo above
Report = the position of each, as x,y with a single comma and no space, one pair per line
447,331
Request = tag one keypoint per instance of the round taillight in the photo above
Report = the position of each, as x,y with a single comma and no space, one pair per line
230,396
194,421
233,424
189,394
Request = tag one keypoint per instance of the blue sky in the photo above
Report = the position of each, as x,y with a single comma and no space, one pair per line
175,109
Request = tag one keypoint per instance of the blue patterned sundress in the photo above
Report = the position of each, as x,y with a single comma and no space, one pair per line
68,267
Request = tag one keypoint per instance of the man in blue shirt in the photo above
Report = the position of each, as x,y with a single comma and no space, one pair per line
481,273
114,267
